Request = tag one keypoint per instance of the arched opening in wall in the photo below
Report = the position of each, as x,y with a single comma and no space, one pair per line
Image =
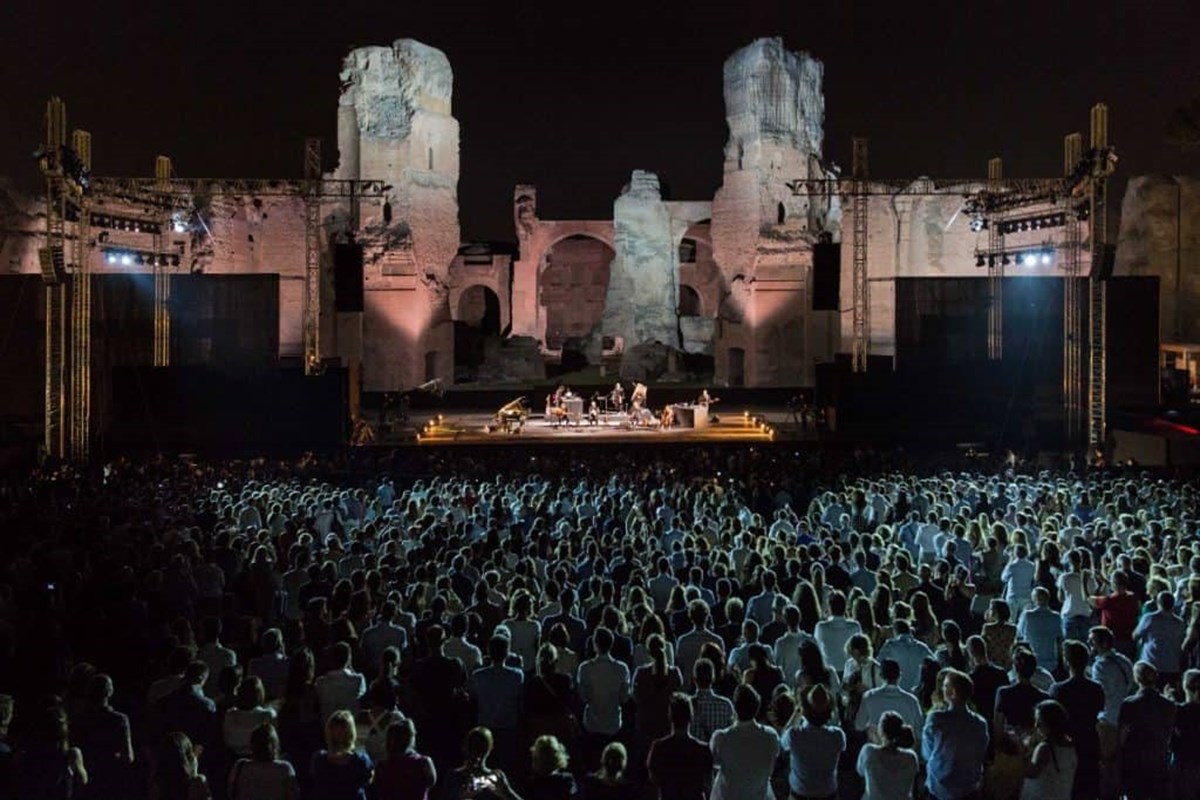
690,304
687,251
572,287
476,331
431,365
781,214
737,366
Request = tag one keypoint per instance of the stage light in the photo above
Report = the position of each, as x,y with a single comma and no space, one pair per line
1024,224
1046,258
978,223
111,258
126,260
1034,224
1030,259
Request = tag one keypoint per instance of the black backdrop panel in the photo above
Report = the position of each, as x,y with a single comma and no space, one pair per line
225,320
1133,341
827,276
22,327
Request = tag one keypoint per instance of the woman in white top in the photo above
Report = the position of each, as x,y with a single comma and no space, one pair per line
1074,588
1050,768
247,714
524,629
889,769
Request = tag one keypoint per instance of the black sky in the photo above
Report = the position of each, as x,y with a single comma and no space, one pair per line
572,97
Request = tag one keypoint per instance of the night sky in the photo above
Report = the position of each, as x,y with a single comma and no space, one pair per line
572,98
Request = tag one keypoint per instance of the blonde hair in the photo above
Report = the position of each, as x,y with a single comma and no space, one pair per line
340,732
548,755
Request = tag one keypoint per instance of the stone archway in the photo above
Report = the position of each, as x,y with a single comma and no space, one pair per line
572,287
477,321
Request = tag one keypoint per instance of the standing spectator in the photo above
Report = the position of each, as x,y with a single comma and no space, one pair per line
498,691
889,698
339,772
1083,700
761,607
177,773
525,630
609,782
680,765
1146,722
458,646
1185,739
833,633
1016,703
687,649
476,777
986,677
341,687
744,753
1160,635
102,735
653,686
954,743
383,634
188,710
1075,586
889,768
787,646
1114,672
1119,612
272,666
1018,578
549,778
999,632
1050,769
712,711
405,774
215,655
814,746
247,715
263,776
604,687
907,651
49,767
1042,627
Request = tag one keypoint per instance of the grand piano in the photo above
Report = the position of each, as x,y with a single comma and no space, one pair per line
511,416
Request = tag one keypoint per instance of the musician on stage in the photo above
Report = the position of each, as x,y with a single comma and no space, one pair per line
593,413
616,397
668,417
703,399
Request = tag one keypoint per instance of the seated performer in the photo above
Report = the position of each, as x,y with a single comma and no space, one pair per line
593,414
703,399
668,418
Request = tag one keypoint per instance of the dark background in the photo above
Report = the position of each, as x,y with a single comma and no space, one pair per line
573,96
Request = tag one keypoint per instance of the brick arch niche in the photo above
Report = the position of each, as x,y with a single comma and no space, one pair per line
572,286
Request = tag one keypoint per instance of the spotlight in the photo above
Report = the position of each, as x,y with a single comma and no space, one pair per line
111,258
126,260
1030,259
1045,258
1034,224
978,223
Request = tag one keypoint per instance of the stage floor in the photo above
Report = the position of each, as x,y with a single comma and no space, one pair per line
478,427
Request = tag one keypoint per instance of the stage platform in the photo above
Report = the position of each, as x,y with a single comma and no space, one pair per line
479,428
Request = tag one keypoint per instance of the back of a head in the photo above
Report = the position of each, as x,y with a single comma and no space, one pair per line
264,742
400,737
746,702
340,655
603,640
498,648
681,710
890,669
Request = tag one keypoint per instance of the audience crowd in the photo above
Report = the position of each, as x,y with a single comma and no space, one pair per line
733,624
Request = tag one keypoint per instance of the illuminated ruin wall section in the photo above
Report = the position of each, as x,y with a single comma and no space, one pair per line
395,126
762,232
1160,235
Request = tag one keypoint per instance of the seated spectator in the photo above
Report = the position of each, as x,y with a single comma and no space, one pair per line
263,776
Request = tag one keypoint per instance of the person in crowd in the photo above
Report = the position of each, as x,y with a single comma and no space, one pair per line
888,698
954,743
1042,627
653,686
248,713
177,773
1018,578
744,753
549,778
340,771
712,711
1083,700
341,687
404,774
814,746
907,651
833,632
1160,636
1146,722
610,782
680,765
999,632
1119,611
476,777
787,646
188,710
1114,672
263,775
383,634
889,766
1185,739
603,687
271,667
49,766
103,737
498,690
1051,759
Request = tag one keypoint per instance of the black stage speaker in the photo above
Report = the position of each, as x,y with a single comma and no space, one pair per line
348,277
827,276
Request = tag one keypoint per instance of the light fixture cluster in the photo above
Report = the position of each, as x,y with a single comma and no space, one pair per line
129,258
1025,258
1041,222
125,224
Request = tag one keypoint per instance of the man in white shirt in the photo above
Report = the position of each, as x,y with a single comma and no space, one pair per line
908,651
889,697
687,649
744,753
215,655
383,634
833,633
458,647
604,687
341,687
787,646
761,607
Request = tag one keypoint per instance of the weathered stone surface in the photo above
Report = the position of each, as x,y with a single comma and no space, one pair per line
773,96
643,283
646,362
388,85
1160,235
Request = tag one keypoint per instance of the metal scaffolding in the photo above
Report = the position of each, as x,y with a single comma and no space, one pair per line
312,257
80,411
862,289
995,267
1101,167
53,264
162,274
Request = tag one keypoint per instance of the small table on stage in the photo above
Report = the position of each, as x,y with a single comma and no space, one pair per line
692,416
574,407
